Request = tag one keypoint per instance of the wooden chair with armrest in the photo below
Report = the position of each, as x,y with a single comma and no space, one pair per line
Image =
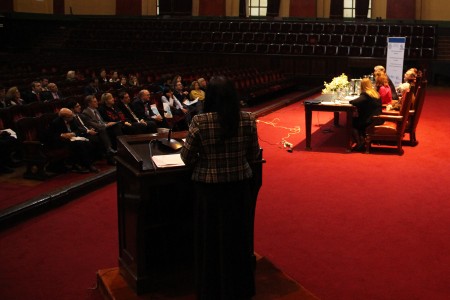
393,128
37,155
414,113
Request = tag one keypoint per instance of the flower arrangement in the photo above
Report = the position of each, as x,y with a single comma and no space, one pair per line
337,83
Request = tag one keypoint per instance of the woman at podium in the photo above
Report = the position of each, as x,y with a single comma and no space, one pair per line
220,145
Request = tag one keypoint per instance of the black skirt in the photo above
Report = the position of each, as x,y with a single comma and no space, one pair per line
225,262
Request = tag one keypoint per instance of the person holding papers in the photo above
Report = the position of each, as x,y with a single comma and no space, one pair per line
220,145
145,111
183,97
177,111
368,105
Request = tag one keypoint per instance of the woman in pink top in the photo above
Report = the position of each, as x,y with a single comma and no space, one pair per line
383,89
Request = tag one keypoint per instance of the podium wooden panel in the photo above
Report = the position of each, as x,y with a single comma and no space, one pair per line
155,215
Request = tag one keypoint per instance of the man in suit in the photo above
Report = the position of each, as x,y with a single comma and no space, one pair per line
94,120
140,107
52,93
100,139
35,94
64,132
92,88
146,126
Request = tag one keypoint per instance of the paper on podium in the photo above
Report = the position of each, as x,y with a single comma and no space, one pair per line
168,160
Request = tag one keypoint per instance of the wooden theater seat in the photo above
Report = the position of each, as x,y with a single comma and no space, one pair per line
37,155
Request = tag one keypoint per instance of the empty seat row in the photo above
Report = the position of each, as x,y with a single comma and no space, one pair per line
258,37
265,27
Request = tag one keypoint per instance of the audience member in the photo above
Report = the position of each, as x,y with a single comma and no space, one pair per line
71,76
12,97
148,126
197,94
202,83
177,111
99,139
92,88
35,94
52,93
3,103
8,145
103,78
64,132
220,146
133,80
114,77
183,97
175,80
111,113
123,84
94,120
368,104
144,111
44,84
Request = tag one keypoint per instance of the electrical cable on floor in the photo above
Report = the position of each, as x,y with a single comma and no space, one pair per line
284,143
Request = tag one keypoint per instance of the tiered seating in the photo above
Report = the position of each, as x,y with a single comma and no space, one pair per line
245,36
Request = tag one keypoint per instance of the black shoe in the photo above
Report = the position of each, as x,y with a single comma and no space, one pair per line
79,169
358,148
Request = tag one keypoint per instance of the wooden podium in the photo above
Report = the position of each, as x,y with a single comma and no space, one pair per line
155,215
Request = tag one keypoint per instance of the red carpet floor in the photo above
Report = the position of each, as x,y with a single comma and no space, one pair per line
344,225
358,226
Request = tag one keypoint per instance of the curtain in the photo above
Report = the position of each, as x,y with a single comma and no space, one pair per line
273,8
401,9
175,7
361,9
126,7
212,8
336,9
242,8
305,8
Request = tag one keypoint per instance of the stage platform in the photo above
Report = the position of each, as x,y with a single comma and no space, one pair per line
271,284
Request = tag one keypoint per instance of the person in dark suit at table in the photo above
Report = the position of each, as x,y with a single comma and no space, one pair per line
220,145
368,104
62,133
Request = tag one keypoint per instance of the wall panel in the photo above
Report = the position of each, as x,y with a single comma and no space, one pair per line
212,8
33,6
129,7
305,8
401,9
90,7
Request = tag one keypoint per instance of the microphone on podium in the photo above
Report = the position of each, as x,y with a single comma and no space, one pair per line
170,143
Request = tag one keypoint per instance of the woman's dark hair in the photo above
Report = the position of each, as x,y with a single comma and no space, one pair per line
222,98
